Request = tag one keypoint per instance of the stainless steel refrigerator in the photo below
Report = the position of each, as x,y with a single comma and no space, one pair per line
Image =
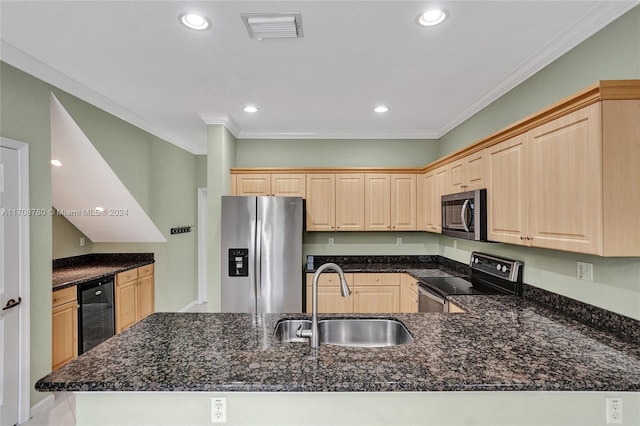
262,254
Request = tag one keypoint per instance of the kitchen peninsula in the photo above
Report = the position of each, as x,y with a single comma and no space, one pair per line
504,359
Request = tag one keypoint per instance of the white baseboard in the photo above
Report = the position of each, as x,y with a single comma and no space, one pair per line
43,405
189,306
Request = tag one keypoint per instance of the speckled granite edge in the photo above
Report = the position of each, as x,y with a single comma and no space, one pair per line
92,258
624,327
77,270
387,263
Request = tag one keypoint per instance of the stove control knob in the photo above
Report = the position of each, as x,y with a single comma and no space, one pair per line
504,269
499,267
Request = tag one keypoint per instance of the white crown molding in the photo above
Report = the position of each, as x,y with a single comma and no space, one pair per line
589,25
27,63
323,134
221,119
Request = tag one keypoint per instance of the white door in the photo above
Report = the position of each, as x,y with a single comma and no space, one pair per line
9,286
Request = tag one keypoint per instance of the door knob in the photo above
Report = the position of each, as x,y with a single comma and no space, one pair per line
11,303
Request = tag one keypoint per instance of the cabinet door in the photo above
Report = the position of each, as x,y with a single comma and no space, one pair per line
350,202
403,202
408,294
376,299
565,182
126,304
468,173
64,334
145,297
377,200
507,194
330,300
321,202
253,184
288,185
435,191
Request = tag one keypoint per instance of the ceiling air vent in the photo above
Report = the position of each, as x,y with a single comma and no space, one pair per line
273,25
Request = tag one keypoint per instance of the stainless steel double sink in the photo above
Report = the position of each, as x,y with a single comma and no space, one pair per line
357,332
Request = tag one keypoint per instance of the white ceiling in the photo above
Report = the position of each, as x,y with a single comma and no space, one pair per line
134,60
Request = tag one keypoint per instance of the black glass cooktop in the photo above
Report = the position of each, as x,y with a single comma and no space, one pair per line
449,286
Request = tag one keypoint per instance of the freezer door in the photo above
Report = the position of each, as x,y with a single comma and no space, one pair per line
279,254
238,235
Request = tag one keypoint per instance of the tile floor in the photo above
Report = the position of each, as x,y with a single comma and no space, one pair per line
63,410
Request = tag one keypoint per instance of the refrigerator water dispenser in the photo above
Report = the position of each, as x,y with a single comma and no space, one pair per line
238,262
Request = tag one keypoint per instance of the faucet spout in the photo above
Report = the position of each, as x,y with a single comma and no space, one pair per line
314,338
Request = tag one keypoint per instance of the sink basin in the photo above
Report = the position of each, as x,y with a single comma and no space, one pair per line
285,330
358,332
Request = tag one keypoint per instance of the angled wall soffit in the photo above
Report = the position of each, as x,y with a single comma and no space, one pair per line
85,181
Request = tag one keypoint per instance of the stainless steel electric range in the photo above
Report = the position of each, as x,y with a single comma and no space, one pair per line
489,275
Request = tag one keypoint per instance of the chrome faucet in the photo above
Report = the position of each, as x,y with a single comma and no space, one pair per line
314,337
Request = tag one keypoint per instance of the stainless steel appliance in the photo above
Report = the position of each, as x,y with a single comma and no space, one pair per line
96,319
262,254
489,275
464,215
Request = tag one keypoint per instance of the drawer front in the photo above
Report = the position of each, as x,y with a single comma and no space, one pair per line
145,270
377,279
330,279
59,297
125,276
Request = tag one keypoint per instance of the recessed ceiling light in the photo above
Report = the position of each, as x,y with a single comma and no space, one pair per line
56,163
195,21
381,109
432,17
250,108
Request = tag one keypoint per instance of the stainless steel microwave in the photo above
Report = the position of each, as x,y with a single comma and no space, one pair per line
464,215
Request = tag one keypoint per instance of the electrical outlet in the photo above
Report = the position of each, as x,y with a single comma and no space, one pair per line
614,411
330,242
82,241
585,271
399,242
219,410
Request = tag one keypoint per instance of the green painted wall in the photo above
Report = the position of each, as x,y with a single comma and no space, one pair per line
161,176
221,157
613,53
335,152
66,239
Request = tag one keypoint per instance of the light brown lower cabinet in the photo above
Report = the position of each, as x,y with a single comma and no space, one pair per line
408,294
370,293
64,327
135,296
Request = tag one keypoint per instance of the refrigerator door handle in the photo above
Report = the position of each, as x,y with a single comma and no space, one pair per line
258,262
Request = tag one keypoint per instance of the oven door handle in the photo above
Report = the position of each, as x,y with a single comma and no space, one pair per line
425,292
463,214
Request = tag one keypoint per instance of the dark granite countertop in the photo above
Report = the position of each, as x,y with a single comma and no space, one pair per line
502,343
77,270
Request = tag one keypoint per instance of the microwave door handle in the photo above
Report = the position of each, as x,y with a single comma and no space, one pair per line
463,215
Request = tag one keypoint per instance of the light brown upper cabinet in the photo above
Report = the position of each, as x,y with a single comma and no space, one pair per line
377,199
350,202
278,184
321,202
547,185
468,173
403,202
252,184
430,187
288,185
